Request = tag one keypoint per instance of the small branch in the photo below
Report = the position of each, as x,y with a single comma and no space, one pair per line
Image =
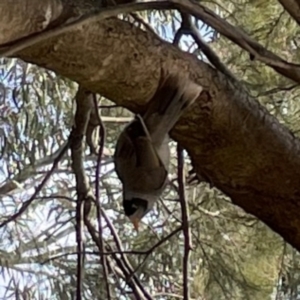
209,53
26,204
124,258
184,28
106,253
102,137
278,90
139,293
188,28
84,103
293,8
148,27
149,251
80,247
185,222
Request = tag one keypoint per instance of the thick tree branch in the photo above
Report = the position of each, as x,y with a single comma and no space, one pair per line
233,33
293,8
104,13
232,140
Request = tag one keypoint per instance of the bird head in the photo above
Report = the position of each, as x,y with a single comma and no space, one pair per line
136,208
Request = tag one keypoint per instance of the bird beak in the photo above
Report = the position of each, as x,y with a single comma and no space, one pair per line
135,223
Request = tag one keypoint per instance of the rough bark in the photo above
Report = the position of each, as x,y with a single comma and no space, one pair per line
233,141
21,18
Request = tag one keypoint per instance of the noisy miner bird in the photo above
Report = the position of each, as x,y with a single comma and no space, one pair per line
142,153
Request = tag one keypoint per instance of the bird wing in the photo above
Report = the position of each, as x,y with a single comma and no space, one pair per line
138,159
173,95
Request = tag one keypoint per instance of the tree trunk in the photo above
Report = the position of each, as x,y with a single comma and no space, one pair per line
233,141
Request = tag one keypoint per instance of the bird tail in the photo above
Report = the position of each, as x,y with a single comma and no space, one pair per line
174,94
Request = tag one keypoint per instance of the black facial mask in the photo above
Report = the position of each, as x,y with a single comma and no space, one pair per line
131,206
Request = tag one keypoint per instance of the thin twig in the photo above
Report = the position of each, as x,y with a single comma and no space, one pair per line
139,293
79,215
80,246
102,137
129,252
184,28
209,53
185,222
104,13
278,90
147,26
106,253
148,252
26,204
124,258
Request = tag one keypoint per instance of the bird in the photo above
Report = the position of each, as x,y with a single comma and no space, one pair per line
142,153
